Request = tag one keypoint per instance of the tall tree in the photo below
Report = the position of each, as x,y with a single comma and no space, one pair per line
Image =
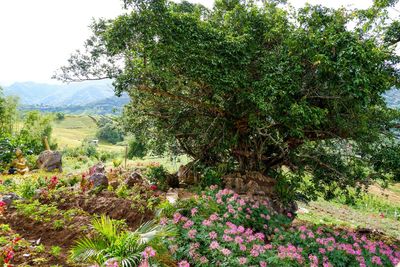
258,84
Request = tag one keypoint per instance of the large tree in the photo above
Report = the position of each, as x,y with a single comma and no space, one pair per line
258,84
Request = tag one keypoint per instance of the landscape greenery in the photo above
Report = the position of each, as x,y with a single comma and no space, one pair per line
298,97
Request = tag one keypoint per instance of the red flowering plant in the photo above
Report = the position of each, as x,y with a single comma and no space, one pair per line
52,183
221,228
3,207
7,252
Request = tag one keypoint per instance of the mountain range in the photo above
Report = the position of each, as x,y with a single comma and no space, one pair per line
83,97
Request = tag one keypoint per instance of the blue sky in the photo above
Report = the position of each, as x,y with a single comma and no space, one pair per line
37,37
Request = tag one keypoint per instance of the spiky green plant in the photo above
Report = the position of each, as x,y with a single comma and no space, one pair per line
112,243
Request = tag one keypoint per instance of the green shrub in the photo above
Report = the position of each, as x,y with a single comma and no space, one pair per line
111,243
210,176
137,149
158,175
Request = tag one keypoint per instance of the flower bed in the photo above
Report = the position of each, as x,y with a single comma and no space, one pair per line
221,228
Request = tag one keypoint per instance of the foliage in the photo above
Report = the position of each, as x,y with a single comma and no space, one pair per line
137,149
158,175
113,244
223,229
109,130
86,149
29,139
8,114
256,83
60,116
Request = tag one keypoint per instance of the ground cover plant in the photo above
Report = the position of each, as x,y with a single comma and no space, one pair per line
221,228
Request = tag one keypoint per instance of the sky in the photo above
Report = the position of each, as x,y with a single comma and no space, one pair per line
37,36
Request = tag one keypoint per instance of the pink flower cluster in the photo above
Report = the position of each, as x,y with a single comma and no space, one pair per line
243,231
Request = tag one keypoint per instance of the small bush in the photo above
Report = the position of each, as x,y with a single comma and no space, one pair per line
137,149
158,175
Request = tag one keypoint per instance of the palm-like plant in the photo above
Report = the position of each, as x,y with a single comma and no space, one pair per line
112,243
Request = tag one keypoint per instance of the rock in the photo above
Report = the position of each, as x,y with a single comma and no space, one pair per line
303,210
257,185
133,179
98,168
50,160
186,175
114,184
98,180
172,196
9,198
172,181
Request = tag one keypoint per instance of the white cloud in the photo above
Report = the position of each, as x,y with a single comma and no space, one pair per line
37,37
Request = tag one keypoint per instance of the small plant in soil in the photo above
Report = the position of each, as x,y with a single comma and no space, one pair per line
113,244
55,251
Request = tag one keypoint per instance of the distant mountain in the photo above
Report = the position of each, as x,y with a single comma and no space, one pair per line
54,95
109,105
94,97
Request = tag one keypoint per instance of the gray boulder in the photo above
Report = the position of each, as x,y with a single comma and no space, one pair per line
9,198
133,179
50,160
98,179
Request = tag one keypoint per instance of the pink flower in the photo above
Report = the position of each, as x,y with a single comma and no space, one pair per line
377,260
194,211
213,217
263,264
254,253
227,238
144,263
203,259
183,264
192,233
164,221
148,252
206,223
226,251
242,247
188,224
322,250
111,263
213,235
2,204
177,217
238,240
214,245
242,260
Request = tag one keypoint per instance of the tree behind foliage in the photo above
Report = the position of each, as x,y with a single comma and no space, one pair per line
256,84
109,130
8,113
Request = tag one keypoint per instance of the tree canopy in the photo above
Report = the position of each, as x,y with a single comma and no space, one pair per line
259,85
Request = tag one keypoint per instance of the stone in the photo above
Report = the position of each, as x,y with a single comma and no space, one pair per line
98,168
133,179
9,198
114,184
172,181
172,196
186,175
50,160
98,180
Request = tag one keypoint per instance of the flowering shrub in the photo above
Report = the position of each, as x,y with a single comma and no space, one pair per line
7,252
222,228
3,207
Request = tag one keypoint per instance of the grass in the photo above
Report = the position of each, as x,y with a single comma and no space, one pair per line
73,130
376,210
